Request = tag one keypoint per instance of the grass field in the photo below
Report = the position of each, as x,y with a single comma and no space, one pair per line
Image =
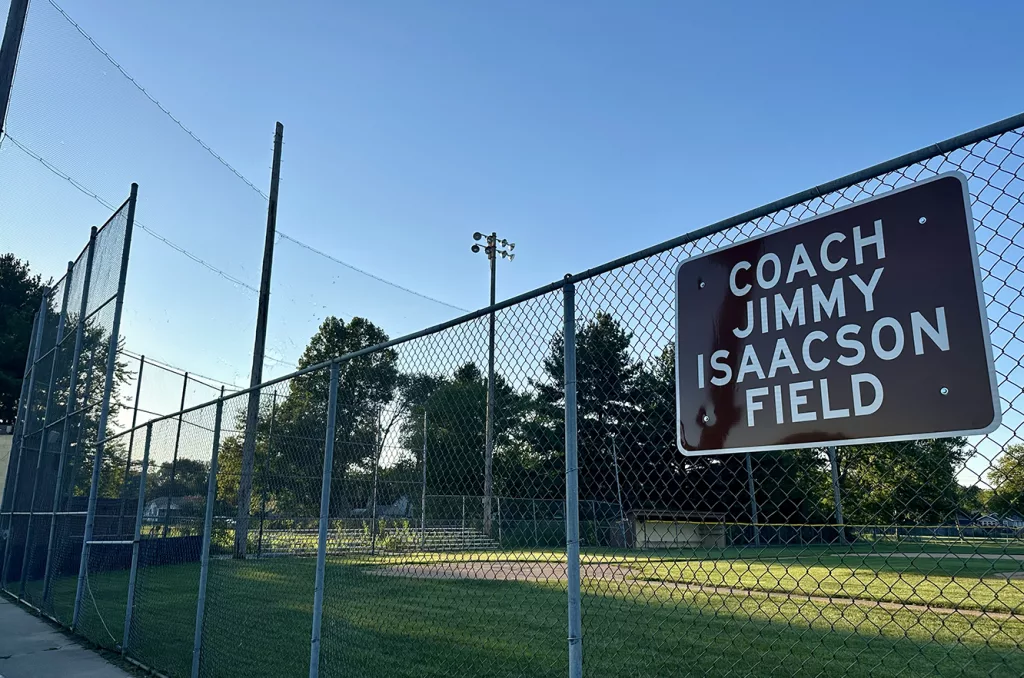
720,613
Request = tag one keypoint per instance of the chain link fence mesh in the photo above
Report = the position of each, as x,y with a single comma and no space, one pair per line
748,564
445,554
55,169
54,447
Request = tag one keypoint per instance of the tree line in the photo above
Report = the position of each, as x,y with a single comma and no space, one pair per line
626,422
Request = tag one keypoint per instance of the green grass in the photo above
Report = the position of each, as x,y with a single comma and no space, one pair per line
940,583
258,619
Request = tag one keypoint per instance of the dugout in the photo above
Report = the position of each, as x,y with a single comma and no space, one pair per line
654,529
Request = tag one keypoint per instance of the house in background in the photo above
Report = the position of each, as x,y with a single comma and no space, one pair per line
1014,520
989,520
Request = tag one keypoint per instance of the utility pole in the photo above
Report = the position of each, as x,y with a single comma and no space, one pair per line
9,54
492,250
259,348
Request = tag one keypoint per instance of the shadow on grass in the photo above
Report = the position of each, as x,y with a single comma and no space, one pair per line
258,624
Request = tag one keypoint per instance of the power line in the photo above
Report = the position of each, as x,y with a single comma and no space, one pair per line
155,102
92,194
174,369
323,254
106,203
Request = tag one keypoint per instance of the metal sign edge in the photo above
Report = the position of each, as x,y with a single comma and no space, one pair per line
983,313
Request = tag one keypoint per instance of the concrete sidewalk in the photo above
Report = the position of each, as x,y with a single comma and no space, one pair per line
31,648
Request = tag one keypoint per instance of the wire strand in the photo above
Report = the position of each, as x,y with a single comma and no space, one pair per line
234,171
174,369
323,254
149,96
86,191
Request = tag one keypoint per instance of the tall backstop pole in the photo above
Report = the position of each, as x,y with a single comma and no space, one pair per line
259,348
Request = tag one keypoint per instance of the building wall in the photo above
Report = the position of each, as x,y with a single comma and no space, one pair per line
665,534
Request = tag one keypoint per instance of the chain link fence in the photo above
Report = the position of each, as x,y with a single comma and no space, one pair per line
56,488
386,537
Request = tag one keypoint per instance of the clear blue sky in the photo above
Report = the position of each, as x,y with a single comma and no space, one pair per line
580,130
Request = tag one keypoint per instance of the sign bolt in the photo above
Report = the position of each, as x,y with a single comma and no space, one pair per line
705,418
922,221
944,391
701,284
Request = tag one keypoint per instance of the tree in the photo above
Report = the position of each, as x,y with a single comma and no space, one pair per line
456,410
190,477
911,482
366,385
656,476
49,401
1007,479
793,486
85,427
606,397
20,295
974,499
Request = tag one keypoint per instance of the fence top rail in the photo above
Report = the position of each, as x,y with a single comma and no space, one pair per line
167,367
820,191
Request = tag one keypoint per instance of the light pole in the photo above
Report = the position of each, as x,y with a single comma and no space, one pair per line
493,249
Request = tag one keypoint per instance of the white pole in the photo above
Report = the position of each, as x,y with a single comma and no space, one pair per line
572,507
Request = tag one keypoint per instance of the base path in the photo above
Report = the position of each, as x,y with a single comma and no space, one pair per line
956,556
513,571
30,647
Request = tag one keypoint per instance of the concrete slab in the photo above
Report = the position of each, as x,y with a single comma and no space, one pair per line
31,647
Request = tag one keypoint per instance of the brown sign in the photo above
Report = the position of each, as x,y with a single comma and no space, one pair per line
861,325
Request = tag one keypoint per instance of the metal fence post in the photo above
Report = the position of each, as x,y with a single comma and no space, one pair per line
7,497
325,509
423,496
131,441
753,501
108,386
498,500
618,492
174,460
46,418
28,384
373,503
836,493
263,472
536,541
572,507
136,541
8,492
70,408
204,567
